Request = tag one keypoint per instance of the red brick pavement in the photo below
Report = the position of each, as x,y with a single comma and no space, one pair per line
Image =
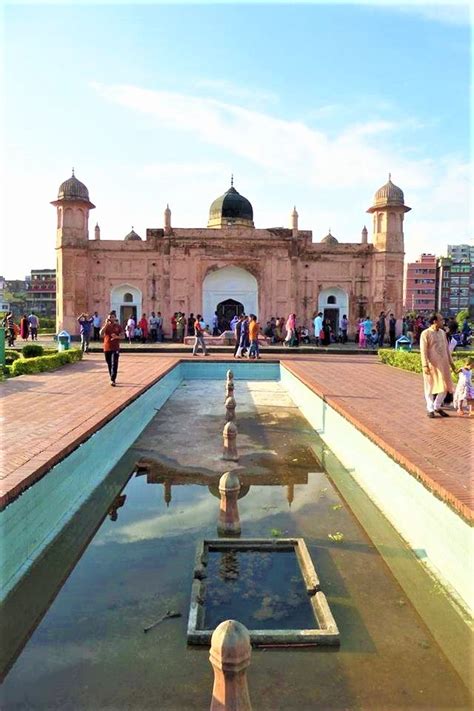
46,416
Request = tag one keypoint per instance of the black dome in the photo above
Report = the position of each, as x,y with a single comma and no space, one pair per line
231,207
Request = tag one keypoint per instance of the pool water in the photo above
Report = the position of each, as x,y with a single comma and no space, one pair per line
73,633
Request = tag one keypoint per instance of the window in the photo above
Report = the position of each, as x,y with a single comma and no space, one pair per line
128,298
331,300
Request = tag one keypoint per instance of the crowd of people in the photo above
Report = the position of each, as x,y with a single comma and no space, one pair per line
27,328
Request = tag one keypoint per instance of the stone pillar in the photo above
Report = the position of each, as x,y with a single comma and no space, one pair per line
229,521
167,220
230,409
229,389
97,231
230,656
229,433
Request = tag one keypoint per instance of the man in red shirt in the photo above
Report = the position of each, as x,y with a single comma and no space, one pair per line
111,331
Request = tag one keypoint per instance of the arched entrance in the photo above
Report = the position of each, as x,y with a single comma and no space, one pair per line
226,311
229,284
334,303
126,300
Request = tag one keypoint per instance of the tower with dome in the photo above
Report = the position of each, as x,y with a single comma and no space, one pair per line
228,266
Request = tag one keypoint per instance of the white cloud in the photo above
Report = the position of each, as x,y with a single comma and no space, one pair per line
227,88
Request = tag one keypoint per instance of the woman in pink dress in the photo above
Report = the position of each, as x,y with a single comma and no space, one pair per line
24,327
362,342
143,324
290,329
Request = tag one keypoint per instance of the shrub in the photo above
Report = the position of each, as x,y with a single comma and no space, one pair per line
29,366
412,360
10,356
32,350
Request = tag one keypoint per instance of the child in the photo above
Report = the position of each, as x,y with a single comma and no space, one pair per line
465,389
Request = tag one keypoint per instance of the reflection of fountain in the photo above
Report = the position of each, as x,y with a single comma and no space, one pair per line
167,492
229,521
229,565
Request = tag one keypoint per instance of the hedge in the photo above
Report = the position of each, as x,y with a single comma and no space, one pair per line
32,350
412,360
28,366
10,356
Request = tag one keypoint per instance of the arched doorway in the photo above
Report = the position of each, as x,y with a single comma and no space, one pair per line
334,303
126,300
226,311
229,284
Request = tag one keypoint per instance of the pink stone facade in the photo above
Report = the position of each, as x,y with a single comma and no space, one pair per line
277,271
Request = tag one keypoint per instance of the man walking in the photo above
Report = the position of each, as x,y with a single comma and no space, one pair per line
436,361
392,330
85,322
381,329
215,324
318,327
33,320
96,324
343,326
199,337
152,322
111,332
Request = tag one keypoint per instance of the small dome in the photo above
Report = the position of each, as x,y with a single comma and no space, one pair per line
73,189
132,235
389,194
329,239
231,207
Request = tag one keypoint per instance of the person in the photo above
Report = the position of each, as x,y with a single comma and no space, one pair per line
199,337
373,339
237,331
153,322
111,332
343,326
173,326
381,326
130,329
159,327
410,325
191,325
326,333
392,330
117,503
465,331
97,321
138,333
304,335
254,328
290,329
24,327
180,326
361,339
33,320
318,327
367,326
9,325
85,326
436,361
143,325
244,337
464,392
215,324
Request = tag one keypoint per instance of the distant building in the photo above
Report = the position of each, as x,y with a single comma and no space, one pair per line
4,304
420,284
455,280
41,292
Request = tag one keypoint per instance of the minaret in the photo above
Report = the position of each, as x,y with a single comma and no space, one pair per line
388,212
167,215
167,492
294,222
72,207
97,231
290,493
364,235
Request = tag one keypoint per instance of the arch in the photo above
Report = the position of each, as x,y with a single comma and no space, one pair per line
121,302
78,218
226,283
68,217
334,303
379,222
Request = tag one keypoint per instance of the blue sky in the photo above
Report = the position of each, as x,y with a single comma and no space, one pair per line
310,105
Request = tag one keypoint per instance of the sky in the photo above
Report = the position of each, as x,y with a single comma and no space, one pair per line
309,105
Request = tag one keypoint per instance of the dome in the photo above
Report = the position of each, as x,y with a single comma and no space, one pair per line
231,207
389,194
329,239
73,189
132,235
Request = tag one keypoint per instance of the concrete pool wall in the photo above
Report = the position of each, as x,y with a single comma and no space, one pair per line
442,539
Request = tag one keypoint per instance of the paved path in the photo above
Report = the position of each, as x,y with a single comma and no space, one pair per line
46,416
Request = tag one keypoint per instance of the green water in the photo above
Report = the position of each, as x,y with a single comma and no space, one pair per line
89,650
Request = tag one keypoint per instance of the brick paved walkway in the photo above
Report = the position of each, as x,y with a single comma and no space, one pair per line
46,416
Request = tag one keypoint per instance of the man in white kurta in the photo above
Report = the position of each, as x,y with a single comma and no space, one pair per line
437,362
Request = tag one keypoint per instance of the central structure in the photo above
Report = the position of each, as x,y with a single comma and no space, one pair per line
228,267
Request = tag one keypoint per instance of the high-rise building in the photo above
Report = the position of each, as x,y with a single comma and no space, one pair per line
455,280
41,292
420,284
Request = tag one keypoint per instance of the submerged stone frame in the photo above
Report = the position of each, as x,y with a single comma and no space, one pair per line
325,633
